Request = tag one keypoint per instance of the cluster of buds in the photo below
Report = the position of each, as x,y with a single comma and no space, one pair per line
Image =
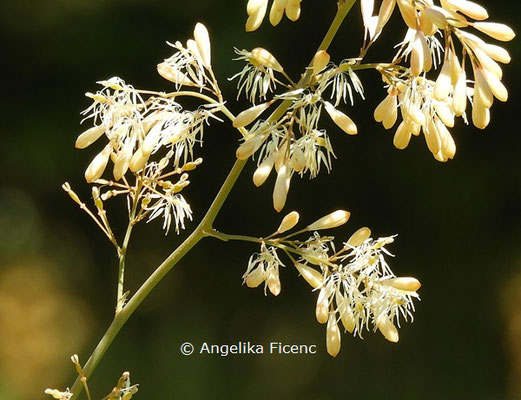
150,141
356,288
257,10
431,106
293,143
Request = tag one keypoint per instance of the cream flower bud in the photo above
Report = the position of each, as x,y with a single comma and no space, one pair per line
445,113
288,222
432,137
480,113
340,119
443,83
293,9
280,191
298,159
123,161
322,308
333,338
249,147
403,283
496,52
427,25
385,12
246,117
98,165
173,75
459,98
387,328
496,86
481,88
89,136
417,55
346,314
256,10
138,161
273,281
311,275
497,31
488,63
263,171
265,58
448,146
402,136
255,277
320,61
359,237
387,111
277,11
151,139
333,220
408,13
468,8
202,38
437,17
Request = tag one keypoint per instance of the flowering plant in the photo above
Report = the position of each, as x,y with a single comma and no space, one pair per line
151,141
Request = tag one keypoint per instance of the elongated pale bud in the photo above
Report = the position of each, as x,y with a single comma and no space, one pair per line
417,55
333,220
437,17
277,11
387,111
202,38
246,117
359,237
293,9
346,314
280,158
311,275
265,58
333,338
263,170
89,136
288,222
273,281
387,328
173,75
497,31
385,12
138,161
280,191
367,8
496,52
255,277
427,25
151,139
256,10
448,146
481,88
488,63
98,165
459,98
443,83
496,86
402,136
403,283
298,159
67,187
445,113
408,13
340,119
320,61
123,161
469,8
249,147
432,138
480,113
322,308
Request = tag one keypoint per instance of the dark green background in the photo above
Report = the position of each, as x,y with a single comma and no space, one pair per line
459,223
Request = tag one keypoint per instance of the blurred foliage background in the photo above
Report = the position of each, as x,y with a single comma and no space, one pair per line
459,223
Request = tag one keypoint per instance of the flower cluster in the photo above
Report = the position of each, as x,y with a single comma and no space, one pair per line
355,285
431,106
150,138
294,142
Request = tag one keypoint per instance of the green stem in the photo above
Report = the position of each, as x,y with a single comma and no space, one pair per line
202,230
